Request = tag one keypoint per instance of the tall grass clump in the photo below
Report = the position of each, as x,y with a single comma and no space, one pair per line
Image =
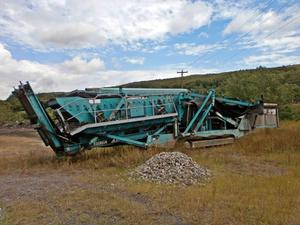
284,139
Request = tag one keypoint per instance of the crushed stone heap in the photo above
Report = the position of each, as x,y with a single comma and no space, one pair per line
171,168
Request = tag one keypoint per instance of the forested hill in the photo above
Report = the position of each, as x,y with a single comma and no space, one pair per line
280,85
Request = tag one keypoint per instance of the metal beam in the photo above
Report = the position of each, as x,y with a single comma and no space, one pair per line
127,140
229,120
208,97
203,117
117,122
114,111
160,129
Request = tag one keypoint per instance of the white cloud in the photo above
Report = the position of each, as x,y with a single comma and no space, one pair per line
194,49
152,47
66,77
78,65
279,44
190,16
271,60
12,71
76,24
253,22
45,77
227,9
77,27
275,33
135,60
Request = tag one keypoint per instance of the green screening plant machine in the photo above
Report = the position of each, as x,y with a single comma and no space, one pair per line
102,117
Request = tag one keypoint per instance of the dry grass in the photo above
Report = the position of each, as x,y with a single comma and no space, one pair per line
256,181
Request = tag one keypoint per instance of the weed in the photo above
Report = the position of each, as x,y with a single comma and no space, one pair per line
256,181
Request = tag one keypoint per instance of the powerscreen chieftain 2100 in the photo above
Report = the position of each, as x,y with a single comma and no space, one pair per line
101,117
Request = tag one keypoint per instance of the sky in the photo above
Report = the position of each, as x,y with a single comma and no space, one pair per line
62,45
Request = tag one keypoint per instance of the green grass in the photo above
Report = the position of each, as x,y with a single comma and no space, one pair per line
256,181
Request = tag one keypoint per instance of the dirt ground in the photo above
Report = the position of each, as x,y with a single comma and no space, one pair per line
19,184
258,187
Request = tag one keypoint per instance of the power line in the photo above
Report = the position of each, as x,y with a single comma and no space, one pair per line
268,4
268,35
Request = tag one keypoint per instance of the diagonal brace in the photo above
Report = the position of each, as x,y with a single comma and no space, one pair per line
211,95
127,140
203,117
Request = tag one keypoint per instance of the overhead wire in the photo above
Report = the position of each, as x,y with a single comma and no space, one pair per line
268,4
268,35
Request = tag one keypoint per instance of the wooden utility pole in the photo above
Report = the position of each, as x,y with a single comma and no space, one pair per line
182,72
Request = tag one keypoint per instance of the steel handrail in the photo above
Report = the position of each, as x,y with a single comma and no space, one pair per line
106,110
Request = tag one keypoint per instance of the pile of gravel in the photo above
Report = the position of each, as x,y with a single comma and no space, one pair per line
171,168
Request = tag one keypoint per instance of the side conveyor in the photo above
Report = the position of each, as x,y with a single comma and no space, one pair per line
39,117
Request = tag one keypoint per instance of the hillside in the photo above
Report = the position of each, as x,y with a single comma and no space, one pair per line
11,110
280,85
